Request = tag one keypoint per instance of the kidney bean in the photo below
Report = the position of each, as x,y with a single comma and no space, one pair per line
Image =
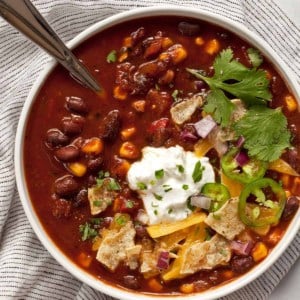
159,137
131,282
110,126
291,208
56,138
95,164
61,208
66,186
67,153
81,198
188,29
72,125
241,264
77,105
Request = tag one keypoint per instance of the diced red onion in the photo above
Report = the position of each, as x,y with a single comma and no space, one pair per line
142,217
188,136
240,142
201,201
242,248
163,260
205,126
242,158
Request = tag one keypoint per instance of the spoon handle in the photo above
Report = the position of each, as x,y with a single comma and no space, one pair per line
23,15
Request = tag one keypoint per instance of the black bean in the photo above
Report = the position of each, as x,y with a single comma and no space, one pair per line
188,29
241,264
67,153
66,186
72,125
110,126
77,105
131,282
95,164
81,198
56,138
291,208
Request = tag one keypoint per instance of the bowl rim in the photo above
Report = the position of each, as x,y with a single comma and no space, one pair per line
61,258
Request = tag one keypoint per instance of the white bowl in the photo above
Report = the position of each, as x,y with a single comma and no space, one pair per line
82,275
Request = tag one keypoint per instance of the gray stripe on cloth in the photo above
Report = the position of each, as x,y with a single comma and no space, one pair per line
27,270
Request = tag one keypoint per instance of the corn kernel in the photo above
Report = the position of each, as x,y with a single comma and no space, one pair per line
119,93
287,193
166,43
139,105
84,259
291,103
93,146
127,133
285,179
228,274
123,56
259,252
121,167
187,288
129,150
179,55
127,42
296,186
155,285
212,47
167,77
77,169
199,41
96,243
117,204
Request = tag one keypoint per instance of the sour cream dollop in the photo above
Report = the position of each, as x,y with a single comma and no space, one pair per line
165,178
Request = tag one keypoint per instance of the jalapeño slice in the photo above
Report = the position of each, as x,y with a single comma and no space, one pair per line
250,171
261,203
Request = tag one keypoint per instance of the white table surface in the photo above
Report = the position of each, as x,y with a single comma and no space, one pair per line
289,287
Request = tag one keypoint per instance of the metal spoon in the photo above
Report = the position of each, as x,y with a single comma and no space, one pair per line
23,15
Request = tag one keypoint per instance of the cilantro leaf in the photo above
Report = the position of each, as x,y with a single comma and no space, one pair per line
219,106
265,132
255,57
87,231
249,85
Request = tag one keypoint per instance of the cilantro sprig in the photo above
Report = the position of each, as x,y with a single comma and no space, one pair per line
265,132
231,77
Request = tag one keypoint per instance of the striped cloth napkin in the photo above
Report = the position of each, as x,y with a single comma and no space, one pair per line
27,270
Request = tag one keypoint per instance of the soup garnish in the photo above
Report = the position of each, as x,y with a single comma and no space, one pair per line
184,176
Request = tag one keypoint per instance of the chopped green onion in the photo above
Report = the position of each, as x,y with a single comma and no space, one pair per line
157,197
185,187
111,56
159,174
180,168
197,173
141,186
